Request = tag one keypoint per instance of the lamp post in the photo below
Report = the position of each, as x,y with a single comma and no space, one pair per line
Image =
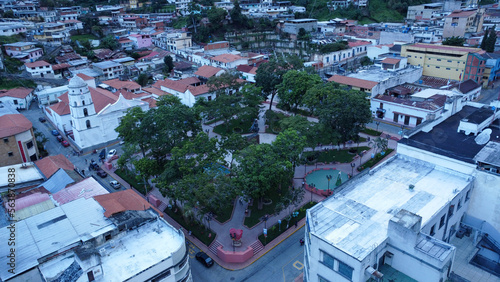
312,187
377,123
402,131
360,157
329,177
352,168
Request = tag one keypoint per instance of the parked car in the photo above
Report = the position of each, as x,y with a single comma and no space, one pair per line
102,173
111,153
115,184
59,138
42,119
55,132
93,165
65,143
205,259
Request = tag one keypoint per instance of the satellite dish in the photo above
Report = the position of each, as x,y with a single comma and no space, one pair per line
483,137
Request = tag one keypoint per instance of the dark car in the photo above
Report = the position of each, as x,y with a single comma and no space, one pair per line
205,259
102,173
42,119
93,165
59,138
65,143
55,132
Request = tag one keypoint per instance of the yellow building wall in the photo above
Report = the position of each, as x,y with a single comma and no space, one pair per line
437,65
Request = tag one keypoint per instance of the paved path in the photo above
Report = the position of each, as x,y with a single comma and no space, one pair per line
250,235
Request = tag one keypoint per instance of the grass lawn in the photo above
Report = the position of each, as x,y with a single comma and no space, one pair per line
9,84
371,132
129,177
274,231
256,214
372,162
83,37
205,235
240,125
342,156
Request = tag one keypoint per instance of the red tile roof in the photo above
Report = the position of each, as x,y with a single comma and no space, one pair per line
155,91
129,95
207,71
150,101
198,90
61,108
37,64
247,69
171,84
101,98
13,124
120,84
359,43
356,82
460,14
61,66
391,61
190,80
84,76
126,200
19,92
51,164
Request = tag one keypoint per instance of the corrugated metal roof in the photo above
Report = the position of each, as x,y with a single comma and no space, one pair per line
57,181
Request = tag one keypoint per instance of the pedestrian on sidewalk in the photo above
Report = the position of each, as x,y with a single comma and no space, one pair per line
86,161
295,224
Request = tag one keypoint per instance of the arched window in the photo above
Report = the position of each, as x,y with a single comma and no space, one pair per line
88,123
75,103
85,112
83,102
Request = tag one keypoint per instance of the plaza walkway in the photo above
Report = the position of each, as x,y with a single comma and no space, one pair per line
250,235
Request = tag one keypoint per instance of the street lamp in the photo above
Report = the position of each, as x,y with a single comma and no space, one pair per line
312,187
329,177
352,168
377,123
360,157
402,130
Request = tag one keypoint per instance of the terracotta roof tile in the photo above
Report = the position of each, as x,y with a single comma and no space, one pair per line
391,61
51,164
61,66
190,80
171,84
84,76
126,200
19,92
227,58
61,108
101,98
198,90
155,91
359,43
37,64
356,82
122,84
13,124
150,101
207,71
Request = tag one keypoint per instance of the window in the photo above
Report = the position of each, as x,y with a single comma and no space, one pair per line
447,68
451,209
15,102
327,260
85,112
432,230
441,222
467,196
29,145
11,154
438,67
6,140
439,60
459,205
88,123
345,270
449,61
322,279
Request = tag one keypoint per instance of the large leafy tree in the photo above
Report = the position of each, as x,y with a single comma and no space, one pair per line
316,94
289,145
216,16
310,130
294,87
490,42
454,41
169,64
344,114
130,129
232,144
270,74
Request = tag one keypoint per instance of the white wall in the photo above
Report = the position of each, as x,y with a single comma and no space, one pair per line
485,198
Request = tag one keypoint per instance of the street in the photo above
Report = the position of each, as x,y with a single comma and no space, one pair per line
283,263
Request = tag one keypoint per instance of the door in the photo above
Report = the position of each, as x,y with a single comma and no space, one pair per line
90,275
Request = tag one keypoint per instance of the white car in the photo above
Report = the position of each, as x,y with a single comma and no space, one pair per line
111,153
115,184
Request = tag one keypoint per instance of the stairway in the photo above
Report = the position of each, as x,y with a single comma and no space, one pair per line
257,247
214,246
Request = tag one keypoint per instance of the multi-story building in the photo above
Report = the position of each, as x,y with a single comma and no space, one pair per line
424,12
8,30
40,69
399,218
492,69
18,140
108,69
110,237
141,40
449,62
182,5
175,42
52,34
19,98
24,51
461,22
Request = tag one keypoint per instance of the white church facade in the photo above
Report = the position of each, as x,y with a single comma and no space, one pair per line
90,115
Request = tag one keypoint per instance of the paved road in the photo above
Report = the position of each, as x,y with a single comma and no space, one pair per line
488,95
283,263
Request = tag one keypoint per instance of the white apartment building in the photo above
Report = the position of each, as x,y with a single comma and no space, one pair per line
108,69
40,69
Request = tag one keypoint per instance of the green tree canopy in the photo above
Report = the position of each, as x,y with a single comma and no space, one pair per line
454,41
294,86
